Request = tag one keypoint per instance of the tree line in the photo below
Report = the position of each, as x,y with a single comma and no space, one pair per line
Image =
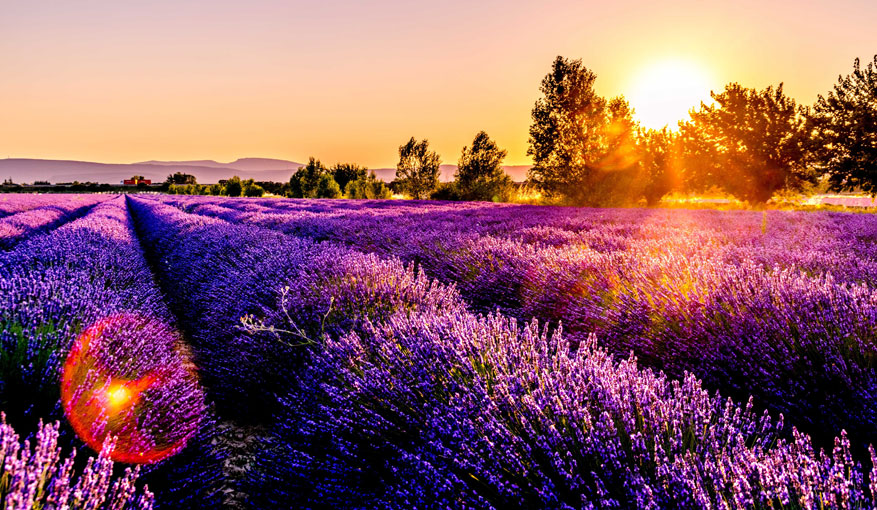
588,150
750,143
479,177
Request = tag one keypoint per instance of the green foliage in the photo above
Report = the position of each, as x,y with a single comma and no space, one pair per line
215,190
480,175
446,191
179,178
417,171
845,123
658,164
188,189
303,183
345,173
583,146
233,187
367,187
327,187
313,181
750,144
252,189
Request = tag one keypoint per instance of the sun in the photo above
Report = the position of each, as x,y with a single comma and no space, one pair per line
663,92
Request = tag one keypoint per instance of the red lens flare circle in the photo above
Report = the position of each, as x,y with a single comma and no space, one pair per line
128,376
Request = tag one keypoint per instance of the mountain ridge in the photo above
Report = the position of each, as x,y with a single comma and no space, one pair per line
206,171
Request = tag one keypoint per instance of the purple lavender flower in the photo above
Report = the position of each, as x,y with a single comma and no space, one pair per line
38,477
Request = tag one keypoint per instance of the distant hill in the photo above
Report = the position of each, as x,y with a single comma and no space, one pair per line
206,171
55,171
242,164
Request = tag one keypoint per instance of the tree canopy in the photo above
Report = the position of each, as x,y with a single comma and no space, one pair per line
480,175
417,171
583,146
233,187
180,178
313,180
844,123
343,173
750,143
367,187
658,158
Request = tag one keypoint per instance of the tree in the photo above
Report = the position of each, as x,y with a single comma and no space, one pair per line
750,143
215,190
367,187
233,187
327,187
845,123
480,175
418,169
180,178
304,182
343,173
657,156
252,189
583,146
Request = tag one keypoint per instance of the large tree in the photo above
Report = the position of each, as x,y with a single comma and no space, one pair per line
250,189
417,171
344,173
749,143
480,175
583,146
845,124
313,181
367,187
233,187
657,156
180,178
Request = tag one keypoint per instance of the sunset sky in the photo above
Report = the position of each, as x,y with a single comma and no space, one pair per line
351,81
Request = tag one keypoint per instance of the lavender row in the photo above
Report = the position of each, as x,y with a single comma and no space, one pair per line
216,274
37,477
816,243
457,411
290,293
779,306
30,216
11,203
407,400
87,284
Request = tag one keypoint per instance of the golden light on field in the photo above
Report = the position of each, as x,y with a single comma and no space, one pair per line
663,92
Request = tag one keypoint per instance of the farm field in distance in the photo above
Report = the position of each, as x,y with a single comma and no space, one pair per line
315,353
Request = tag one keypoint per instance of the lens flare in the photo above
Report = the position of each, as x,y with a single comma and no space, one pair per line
128,376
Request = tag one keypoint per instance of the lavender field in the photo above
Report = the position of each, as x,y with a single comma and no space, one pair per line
208,352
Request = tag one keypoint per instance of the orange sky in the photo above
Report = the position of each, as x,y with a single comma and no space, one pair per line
351,81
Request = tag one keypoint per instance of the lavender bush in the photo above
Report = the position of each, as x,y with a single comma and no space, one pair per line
53,287
28,215
776,305
38,477
457,411
380,354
